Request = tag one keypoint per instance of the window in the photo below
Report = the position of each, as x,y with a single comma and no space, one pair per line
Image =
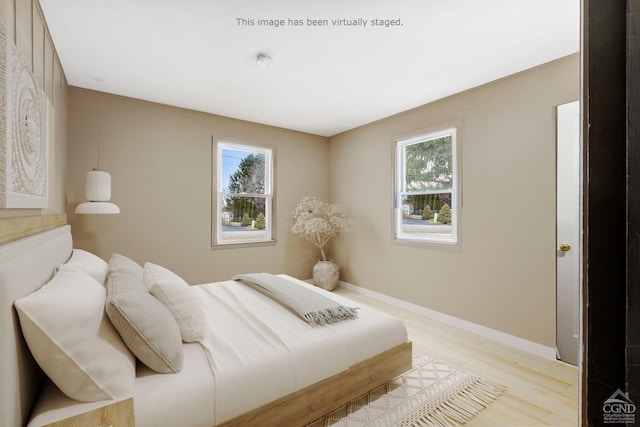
426,189
243,201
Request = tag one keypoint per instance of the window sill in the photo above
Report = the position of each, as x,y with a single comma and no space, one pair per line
426,243
219,246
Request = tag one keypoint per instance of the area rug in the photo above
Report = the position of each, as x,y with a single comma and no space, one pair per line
432,393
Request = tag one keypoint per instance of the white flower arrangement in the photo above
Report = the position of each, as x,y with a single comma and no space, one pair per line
318,221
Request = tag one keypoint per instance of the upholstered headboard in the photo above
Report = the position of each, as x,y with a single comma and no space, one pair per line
25,265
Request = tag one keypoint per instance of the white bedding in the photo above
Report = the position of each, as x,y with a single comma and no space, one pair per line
267,351
182,399
255,351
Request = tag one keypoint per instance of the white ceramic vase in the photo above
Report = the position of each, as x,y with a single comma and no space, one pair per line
326,274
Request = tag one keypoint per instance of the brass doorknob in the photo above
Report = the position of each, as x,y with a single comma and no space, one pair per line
565,247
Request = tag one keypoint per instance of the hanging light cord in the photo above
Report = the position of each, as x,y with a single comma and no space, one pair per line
99,80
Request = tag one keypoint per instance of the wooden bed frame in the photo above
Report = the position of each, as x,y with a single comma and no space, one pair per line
313,402
21,378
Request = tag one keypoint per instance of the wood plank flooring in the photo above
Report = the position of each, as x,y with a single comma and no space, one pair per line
540,392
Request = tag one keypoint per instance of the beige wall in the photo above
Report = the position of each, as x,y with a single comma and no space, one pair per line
27,29
502,273
159,158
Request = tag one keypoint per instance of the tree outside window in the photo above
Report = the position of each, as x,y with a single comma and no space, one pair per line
244,194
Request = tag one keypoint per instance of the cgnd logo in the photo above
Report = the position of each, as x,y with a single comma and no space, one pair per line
618,408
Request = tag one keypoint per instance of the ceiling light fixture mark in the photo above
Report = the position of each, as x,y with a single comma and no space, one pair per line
264,60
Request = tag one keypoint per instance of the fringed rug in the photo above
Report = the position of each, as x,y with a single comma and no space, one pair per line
432,393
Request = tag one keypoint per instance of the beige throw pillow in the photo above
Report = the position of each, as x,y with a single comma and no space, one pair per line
144,323
178,297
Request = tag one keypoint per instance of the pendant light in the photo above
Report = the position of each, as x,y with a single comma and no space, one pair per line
97,189
97,186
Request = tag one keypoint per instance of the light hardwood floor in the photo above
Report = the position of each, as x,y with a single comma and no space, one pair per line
540,392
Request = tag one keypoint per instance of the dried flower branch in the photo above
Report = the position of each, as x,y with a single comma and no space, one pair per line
318,221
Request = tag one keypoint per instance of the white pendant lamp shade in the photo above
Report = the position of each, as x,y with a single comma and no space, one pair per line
97,186
97,208
98,191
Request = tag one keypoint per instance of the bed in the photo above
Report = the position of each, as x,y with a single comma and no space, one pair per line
250,361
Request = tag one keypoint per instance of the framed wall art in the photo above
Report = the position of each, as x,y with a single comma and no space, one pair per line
23,131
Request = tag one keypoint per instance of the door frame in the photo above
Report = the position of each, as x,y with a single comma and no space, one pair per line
604,50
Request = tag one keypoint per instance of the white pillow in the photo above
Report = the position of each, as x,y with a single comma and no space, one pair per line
178,297
91,264
71,338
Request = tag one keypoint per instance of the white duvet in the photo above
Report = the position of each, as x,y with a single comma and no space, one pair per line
259,350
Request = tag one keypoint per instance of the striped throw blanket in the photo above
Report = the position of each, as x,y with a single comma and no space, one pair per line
314,308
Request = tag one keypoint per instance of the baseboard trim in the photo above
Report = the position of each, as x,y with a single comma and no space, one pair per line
483,331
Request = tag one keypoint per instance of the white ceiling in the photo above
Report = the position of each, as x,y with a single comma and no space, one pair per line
324,80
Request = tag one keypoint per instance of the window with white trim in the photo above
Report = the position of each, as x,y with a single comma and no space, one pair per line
426,187
243,199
